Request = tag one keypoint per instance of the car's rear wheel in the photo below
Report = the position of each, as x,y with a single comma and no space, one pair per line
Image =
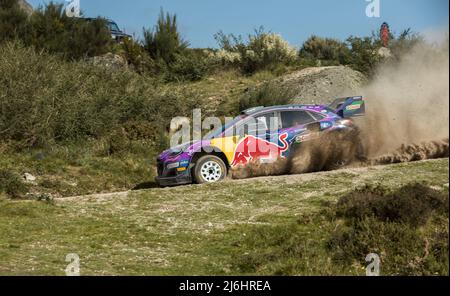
209,169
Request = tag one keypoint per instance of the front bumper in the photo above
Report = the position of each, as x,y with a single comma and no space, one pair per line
171,176
175,180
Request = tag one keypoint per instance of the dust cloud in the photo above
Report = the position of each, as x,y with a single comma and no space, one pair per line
407,119
408,101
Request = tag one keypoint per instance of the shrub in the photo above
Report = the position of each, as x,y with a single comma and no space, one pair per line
12,184
58,101
50,29
268,94
164,41
118,142
190,66
225,58
328,49
387,223
72,38
266,49
138,57
412,204
13,21
140,130
364,54
262,51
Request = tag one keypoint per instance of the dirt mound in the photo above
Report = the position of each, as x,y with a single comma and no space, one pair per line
320,85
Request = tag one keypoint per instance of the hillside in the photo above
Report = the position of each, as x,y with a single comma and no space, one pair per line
108,160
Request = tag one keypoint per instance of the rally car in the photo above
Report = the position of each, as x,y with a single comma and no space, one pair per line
262,134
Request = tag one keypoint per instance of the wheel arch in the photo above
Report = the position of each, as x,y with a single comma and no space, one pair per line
215,152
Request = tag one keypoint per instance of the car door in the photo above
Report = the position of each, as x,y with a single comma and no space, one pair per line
300,125
259,140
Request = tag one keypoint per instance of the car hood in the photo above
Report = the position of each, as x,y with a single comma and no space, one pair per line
184,150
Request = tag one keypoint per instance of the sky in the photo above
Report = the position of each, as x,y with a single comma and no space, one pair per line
295,20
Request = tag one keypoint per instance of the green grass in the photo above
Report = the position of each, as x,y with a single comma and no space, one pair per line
226,228
82,169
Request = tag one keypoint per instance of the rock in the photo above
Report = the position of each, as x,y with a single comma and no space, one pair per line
29,177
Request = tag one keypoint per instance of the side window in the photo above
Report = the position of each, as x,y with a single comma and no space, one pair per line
317,116
258,125
294,118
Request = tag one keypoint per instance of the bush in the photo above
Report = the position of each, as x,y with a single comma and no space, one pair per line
224,58
49,28
190,66
138,57
263,50
267,49
12,184
118,142
376,221
59,101
412,204
70,37
268,94
164,41
327,49
13,21
364,54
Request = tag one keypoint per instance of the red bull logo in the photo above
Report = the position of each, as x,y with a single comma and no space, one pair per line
252,148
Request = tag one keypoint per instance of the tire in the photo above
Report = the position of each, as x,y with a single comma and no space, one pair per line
209,169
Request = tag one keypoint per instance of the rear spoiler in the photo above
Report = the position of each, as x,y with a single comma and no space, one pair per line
349,107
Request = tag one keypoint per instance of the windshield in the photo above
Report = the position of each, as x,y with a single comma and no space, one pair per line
114,27
218,131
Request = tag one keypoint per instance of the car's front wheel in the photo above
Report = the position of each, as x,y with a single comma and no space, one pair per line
209,169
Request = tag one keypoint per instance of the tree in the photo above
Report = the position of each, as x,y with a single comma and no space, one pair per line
164,42
364,53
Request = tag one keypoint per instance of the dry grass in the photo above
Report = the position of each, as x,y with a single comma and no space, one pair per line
183,230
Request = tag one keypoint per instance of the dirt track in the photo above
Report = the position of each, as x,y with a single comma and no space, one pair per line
293,178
